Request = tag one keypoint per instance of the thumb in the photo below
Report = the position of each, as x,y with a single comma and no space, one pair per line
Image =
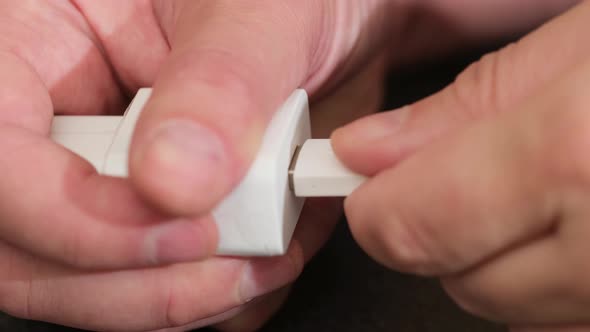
211,101
233,63
496,83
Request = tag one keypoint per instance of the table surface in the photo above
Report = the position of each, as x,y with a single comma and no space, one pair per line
342,289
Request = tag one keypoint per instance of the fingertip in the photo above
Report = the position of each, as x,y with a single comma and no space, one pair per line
348,151
183,167
372,143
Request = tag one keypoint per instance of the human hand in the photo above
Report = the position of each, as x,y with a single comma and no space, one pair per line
487,183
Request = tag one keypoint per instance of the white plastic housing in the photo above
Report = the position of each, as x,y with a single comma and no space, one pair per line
258,218
260,215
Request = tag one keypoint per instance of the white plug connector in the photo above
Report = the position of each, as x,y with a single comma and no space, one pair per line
259,216
317,172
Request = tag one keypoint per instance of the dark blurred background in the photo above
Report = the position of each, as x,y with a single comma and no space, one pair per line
342,289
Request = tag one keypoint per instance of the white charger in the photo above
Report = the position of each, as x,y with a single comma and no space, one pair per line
259,216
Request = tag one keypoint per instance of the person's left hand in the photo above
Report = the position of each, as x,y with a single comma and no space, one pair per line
93,252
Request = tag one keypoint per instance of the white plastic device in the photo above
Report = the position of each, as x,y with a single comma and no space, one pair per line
259,216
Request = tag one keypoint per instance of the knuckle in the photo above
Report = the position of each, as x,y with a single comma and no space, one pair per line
396,237
413,244
474,90
486,86
395,242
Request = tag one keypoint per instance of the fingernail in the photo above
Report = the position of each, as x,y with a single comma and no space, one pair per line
179,241
186,159
262,276
377,126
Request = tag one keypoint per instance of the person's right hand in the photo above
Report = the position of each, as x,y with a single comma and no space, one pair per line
486,184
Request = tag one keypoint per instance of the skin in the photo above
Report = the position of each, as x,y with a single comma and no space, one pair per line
486,184
133,255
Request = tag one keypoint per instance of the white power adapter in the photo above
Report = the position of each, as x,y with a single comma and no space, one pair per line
259,216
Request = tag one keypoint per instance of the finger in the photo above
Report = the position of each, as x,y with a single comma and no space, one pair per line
471,195
533,285
53,204
65,211
163,297
495,84
206,322
139,299
318,219
216,92
54,39
130,36
247,317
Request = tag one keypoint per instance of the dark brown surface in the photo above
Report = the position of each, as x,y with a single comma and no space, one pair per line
344,290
